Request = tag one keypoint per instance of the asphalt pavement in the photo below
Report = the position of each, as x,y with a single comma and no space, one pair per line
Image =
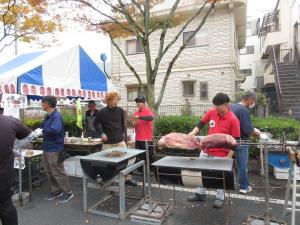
42,212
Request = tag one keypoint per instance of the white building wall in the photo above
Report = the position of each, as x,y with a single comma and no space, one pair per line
216,63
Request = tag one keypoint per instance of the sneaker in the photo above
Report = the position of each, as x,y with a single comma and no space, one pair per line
53,195
131,182
65,198
197,197
245,191
218,203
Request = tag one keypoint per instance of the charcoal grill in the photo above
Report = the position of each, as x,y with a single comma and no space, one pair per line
212,173
102,169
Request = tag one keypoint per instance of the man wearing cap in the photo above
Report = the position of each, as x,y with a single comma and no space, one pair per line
143,123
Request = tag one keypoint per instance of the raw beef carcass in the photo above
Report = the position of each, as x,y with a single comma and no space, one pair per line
217,141
178,141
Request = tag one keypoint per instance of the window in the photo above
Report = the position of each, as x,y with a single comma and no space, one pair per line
246,72
133,92
188,88
133,47
200,39
203,90
247,50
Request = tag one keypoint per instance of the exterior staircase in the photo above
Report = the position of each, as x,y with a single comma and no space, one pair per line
289,81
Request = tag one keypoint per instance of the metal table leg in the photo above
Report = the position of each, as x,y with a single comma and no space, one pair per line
122,196
267,187
84,193
29,178
20,181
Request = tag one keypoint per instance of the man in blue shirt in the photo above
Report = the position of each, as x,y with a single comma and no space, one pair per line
53,146
241,111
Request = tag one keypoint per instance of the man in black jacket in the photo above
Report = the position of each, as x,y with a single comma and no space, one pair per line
10,129
110,122
90,117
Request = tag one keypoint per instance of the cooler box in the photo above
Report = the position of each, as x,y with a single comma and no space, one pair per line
281,165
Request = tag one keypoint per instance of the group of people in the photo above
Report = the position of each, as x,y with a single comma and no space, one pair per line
110,123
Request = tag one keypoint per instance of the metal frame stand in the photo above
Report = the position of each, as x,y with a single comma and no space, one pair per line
22,198
295,187
150,211
122,196
266,219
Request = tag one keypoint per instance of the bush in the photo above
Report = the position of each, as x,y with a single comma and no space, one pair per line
184,124
69,124
181,124
274,125
278,126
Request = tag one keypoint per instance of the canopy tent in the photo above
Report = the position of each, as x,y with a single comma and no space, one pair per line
55,72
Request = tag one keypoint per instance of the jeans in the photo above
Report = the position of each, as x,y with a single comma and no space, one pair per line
8,212
200,190
242,156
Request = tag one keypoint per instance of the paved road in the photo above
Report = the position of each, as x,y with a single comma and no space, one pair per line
41,212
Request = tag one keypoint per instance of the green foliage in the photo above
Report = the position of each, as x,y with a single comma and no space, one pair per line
278,126
274,125
180,124
69,123
184,124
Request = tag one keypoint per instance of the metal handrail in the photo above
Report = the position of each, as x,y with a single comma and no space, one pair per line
278,86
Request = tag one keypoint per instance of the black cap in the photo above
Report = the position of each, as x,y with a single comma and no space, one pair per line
140,99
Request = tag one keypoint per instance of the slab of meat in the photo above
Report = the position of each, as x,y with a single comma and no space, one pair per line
178,141
217,141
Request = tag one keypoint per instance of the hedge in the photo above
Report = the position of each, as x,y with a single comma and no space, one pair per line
69,124
184,124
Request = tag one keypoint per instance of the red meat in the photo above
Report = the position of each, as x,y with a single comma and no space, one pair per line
217,141
178,141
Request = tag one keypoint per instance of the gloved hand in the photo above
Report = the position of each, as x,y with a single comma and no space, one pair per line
38,132
264,136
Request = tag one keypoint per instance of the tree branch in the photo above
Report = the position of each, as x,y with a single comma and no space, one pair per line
138,6
178,54
162,40
137,30
102,13
124,58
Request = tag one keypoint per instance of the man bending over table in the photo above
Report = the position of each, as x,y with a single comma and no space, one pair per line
220,120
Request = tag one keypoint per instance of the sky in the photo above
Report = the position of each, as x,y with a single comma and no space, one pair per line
95,43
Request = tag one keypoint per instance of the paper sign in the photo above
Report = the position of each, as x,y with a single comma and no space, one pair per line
14,101
17,163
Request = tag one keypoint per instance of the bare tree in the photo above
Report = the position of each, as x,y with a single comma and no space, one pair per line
134,18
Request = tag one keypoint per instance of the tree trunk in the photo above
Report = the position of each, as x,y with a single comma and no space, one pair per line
151,97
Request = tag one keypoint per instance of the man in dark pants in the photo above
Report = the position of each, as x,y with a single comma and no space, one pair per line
143,123
53,146
10,129
241,111
90,116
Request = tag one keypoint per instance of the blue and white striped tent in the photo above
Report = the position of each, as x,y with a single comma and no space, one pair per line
55,72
